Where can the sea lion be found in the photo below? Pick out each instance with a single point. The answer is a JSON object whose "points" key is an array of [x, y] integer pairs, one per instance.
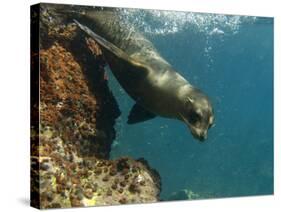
{"points": [[148, 78]]}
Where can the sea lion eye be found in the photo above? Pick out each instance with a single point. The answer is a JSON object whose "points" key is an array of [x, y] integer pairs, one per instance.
{"points": [[194, 118]]}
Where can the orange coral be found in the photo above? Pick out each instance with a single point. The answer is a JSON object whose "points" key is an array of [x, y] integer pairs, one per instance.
{"points": [[64, 92]]}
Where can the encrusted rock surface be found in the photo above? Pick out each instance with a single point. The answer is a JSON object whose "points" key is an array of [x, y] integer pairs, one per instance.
{"points": [[68, 179], [70, 146]]}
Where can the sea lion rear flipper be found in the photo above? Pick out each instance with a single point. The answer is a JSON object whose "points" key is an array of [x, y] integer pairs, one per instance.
{"points": [[139, 114], [113, 49], [104, 43]]}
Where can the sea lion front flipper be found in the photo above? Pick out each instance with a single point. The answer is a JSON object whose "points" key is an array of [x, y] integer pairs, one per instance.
{"points": [[139, 114]]}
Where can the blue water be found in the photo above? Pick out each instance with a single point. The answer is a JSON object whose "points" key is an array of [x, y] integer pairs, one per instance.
{"points": [[230, 58]]}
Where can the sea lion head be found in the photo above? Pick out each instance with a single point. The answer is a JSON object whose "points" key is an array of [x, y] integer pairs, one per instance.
{"points": [[197, 113]]}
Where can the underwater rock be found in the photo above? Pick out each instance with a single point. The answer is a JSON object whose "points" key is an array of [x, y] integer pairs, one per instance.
{"points": [[70, 146], [81, 186]]}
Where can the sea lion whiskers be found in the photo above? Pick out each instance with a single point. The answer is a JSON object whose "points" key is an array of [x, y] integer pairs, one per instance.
{"points": [[184, 119], [200, 134], [194, 132]]}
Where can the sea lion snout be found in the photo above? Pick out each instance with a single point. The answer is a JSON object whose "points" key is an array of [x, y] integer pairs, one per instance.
{"points": [[197, 113], [199, 134]]}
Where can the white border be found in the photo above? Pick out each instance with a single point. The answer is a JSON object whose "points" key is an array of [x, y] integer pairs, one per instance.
{"points": [[14, 113]]}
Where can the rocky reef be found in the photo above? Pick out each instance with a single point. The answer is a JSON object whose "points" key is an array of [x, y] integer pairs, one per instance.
{"points": [[73, 114]]}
